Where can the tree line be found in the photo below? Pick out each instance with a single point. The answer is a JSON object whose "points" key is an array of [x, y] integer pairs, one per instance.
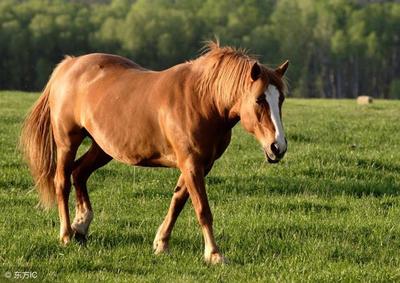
{"points": [[337, 48]]}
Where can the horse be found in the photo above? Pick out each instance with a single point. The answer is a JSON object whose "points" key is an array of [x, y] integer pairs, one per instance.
{"points": [[181, 117]]}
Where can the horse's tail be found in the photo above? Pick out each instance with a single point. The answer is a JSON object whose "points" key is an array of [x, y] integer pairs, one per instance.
{"points": [[38, 146]]}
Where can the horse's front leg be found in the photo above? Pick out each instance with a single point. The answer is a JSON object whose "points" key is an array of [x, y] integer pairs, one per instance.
{"points": [[178, 201], [193, 174]]}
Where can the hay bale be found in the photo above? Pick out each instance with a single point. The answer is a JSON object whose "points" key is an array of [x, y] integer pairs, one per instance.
{"points": [[364, 99]]}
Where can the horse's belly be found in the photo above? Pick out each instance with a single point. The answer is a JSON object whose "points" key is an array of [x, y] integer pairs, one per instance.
{"points": [[163, 161], [155, 160], [129, 135], [142, 151]]}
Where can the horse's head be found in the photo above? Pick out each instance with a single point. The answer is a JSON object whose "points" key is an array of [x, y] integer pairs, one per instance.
{"points": [[260, 110]]}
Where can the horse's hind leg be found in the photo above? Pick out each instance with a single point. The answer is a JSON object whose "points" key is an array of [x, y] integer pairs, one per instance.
{"points": [[93, 159], [66, 151], [178, 201]]}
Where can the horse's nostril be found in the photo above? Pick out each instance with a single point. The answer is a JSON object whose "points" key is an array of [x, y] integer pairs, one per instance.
{"points": [[275, 148]]}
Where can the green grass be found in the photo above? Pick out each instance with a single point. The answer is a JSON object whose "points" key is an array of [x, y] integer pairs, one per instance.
{"points": [[328, 212]]}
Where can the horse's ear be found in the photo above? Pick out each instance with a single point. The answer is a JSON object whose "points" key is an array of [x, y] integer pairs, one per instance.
{"points": [[281, 70], [255, 71]]}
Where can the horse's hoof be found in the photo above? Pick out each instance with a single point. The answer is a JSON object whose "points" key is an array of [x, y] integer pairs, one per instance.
{"points": [[80, 238], [215, 258], [160, 247], [65, 239], [80, 227]]}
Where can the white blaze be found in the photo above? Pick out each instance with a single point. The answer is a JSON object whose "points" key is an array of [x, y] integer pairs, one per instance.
{"points": [[272, 96]]}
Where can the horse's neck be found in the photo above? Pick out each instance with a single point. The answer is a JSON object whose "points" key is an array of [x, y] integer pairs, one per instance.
{"points": [[212, 105]]}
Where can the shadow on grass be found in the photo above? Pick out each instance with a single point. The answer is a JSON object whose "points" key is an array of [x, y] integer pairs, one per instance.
{"points": [[294, 239], [111, 240], [306, 207], [259, 184], [223, 187], [377, 165]]}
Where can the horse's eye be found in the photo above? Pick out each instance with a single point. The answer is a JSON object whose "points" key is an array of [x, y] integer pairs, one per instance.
{"points": [[261, 99]]}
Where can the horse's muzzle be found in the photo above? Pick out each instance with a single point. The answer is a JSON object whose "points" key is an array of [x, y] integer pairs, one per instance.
{"points": [[273, 154], [272, 161]]}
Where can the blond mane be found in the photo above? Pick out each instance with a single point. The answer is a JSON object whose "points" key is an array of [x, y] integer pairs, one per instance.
{"points": [[224, 73]]}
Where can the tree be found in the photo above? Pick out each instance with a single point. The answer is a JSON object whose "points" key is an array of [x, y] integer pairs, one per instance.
{"points": [[337, 48]]}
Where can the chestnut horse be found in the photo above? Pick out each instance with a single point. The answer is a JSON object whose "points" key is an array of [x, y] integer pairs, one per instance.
{"points": [[180, 117]]}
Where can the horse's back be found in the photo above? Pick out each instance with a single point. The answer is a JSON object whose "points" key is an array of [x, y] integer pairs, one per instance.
{"points": [[79, 79], [103, 60], [79, 71]]}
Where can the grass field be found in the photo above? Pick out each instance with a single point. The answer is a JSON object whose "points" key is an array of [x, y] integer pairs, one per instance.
{"points": [[329, 211]]}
